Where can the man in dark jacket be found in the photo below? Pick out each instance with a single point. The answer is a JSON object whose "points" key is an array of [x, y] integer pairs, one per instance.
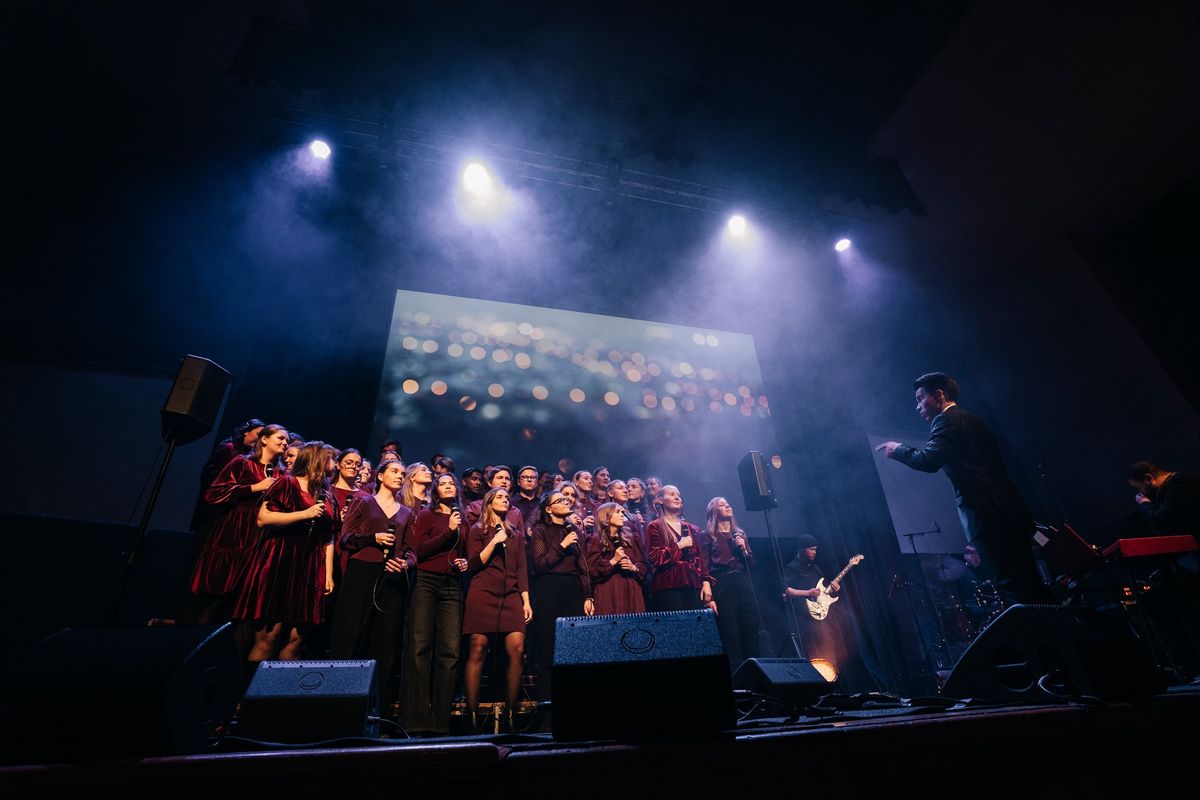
{"points": [[1168, 501], [993, 512]]}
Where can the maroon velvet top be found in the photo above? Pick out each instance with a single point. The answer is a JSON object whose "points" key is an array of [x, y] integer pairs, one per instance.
{"points": [[725, 557], [675, 568], [550, 558], [365, 519], [437, 546]]}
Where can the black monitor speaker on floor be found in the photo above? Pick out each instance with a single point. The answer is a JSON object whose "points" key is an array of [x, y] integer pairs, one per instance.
{"points": [[1047, 653], [640, 676], [105, 693], [755, 477], [791, 683], [303, 702]]}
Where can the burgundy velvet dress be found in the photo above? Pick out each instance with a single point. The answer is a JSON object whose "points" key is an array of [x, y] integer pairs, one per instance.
{"points": [[286, 578], [614, 590], [494, 597], [226, 553]]}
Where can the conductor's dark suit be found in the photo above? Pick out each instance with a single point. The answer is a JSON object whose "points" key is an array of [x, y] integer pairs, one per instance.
{"points": [[993, 512]]}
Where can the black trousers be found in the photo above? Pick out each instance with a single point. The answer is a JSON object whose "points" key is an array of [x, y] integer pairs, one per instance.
{"points": [[431, 652], [685, 598], [367, 619], [557, 596], [737, 616], [1009, 552]]}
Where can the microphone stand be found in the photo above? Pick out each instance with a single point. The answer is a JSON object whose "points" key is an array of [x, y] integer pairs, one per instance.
{"points": [[912, 545], [793, 622]]}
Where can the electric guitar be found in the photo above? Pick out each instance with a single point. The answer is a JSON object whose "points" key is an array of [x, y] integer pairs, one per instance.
{"points": [[818, 607]]}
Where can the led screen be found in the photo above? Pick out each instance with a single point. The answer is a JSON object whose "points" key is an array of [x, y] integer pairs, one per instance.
{"points": [[488, 382]]}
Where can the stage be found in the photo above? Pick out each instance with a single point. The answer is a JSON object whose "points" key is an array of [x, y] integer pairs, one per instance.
{"points": [[926, 751]]}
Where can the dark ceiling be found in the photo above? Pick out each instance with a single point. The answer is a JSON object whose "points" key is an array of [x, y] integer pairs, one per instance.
{"points": [[757, 96]]}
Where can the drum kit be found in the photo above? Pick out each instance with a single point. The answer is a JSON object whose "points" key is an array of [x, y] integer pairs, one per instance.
{"points": [[952, 604]]}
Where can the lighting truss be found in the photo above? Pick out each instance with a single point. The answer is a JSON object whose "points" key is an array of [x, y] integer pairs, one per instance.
{"points": [[387, 143]]}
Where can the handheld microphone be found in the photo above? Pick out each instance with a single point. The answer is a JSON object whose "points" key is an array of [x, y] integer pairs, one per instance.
{"points": [[387, 548], [270, 470], [500, 529]]}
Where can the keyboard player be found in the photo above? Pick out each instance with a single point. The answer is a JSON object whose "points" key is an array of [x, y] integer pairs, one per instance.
{"points": [[1168, 501]]}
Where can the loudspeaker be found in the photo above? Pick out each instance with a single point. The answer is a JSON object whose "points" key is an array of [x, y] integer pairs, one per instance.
{"points": [[194, 400], [118, 693], [639, 676], [792, 681], [756, 483], [301, 702], [1050, 652]]}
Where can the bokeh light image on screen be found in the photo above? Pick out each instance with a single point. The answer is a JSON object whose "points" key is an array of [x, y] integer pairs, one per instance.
{"points": [[487, 382]]}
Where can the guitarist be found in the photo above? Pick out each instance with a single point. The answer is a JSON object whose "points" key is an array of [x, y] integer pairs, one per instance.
{"points": [[819, 639]]}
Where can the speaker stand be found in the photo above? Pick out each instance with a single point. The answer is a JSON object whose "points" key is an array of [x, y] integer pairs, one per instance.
{"points": [[139, 540], [793, 623]]}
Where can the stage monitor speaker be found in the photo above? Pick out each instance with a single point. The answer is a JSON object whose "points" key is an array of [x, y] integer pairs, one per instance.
{"points": [[1054, 653], [756, 482], [194, 401], [640, 676], [301, 702], [793, 682], [107, 693]]}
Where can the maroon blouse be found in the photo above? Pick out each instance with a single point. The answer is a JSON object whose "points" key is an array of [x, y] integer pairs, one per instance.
{"points": [[675, 568], [365, 519], [725, 557], [435, 545], [550, 558], [513, 517]]}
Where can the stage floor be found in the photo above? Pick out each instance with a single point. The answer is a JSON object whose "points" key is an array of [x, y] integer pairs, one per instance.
{"points": [[1059, 750]]}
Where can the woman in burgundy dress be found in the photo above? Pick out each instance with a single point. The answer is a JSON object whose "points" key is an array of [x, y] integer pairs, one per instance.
{"points": [[677, 552], [235, 494], [292, 568], [371, 600], [618, 564], [498, 598], [434, 637]]}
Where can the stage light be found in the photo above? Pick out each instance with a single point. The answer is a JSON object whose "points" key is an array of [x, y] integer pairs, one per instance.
{"points": [[476, 179], [737, 225], [319, 149], [842, 245], [828, 671]]}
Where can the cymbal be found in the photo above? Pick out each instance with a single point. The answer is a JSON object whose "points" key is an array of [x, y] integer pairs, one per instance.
{"points": [[944, 567]]}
